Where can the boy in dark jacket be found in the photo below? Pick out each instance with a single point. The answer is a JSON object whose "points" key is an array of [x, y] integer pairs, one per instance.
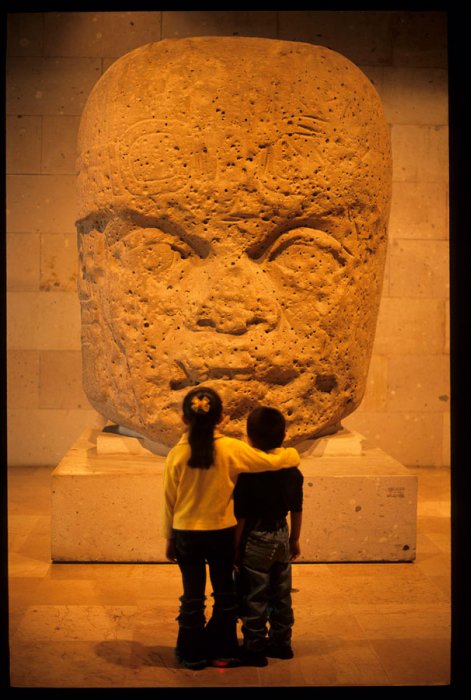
{"points": [[265, 546]]}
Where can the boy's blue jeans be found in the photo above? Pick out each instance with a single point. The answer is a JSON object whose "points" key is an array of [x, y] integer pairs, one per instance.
{"points": [[266, 589]]}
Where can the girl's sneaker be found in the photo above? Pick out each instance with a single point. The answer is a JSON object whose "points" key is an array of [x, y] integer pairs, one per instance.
{"points": [[192, 664], [230, 662]]}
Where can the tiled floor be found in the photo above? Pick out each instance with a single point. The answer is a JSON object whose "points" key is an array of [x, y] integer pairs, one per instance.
{"points": [[113, 625]]}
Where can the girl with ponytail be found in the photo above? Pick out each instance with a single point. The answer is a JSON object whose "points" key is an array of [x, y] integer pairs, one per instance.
{"points": [[203, 411], [199, 523]]}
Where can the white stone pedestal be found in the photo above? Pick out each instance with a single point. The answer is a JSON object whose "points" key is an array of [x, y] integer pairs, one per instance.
{"points": [[359, 503]]}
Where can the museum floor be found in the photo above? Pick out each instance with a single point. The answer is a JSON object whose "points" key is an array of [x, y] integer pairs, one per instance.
{"points": [[113, 625]]}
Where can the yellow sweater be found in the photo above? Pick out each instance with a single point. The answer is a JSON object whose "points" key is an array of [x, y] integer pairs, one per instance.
{"points": [[201, 499]]}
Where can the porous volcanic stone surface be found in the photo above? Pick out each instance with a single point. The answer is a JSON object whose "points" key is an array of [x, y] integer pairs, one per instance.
{"points": [[234, 196]]}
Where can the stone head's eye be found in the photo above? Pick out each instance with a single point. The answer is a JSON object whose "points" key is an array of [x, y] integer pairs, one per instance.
{"points": [[289, 247], [158, 256], [149, 250], [295, 255], [308, 249]]}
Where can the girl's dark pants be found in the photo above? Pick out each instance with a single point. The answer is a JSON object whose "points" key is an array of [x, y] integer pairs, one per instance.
{"points": [[218, 638]]}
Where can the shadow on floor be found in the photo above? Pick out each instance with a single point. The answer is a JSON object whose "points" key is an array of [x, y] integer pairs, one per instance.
{"points": [[131, 654]]}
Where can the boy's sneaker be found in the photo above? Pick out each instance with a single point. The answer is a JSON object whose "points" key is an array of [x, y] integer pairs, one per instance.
{"points": [[250, 658], [279, 651]]}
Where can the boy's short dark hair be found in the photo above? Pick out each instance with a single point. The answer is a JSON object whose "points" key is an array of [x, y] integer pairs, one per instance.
{"points": [[266, 428]]}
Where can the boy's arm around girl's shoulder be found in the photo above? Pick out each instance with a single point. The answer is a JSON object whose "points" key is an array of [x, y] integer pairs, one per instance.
{"points": [[251, 459]]}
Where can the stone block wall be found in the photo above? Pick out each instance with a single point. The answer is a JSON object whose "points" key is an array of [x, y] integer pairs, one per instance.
{"points": [[53, 61]]}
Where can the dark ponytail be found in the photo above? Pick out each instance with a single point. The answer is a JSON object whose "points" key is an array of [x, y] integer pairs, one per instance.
{"points": [[202, 409]]}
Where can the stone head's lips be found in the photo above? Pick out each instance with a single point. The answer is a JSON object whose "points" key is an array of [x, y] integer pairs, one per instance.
{"points": [[187, 376]]}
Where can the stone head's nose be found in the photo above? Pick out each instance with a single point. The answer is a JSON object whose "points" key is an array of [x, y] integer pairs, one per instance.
{"points": [[237, 299]]}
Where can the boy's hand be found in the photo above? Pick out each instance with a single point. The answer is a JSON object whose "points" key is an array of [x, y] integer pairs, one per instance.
{"points": [[294, 550], [237, 559], [170, 553]]}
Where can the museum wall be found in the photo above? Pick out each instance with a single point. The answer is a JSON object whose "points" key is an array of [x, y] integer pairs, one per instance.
{"points": [[53, 61]]}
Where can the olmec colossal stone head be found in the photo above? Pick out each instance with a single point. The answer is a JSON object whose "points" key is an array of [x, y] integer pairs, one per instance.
{"points": [[234, 197]]}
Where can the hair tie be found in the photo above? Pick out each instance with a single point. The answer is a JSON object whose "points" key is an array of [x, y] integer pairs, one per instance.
{"points": [[201, 405]]}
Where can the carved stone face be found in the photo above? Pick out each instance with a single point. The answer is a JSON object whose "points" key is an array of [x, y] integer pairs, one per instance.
{"points": [[234, 196]]}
